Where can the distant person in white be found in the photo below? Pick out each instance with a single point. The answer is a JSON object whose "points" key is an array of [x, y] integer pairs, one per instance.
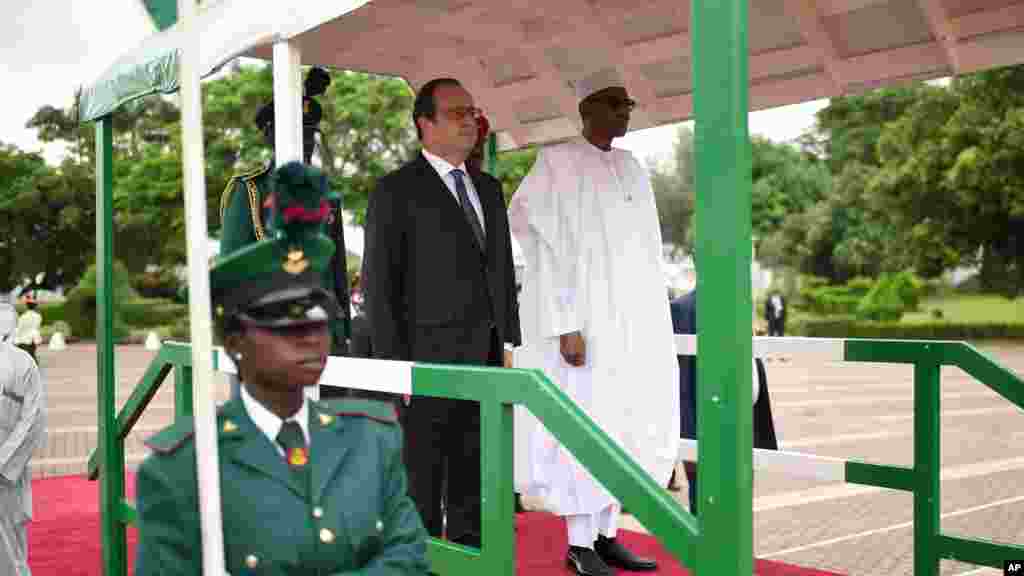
{"points": [[22, 430], [28, 334], [594, 318]]}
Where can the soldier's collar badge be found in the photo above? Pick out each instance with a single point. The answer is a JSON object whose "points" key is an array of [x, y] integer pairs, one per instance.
{"points": [[295, 262]]}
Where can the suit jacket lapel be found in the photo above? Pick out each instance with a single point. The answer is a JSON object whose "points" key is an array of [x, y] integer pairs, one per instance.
{"points": [[327, 445], [252, 449], [428, 172]]}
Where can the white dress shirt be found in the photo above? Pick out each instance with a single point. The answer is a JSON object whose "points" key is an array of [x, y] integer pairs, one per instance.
{"points": [[444, 170], [269, 423]]}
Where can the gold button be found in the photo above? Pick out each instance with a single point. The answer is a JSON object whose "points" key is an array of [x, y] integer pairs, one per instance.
{"points": [[326, 419], [252, 561], [380, 526], [318, 512], [326, 536]]}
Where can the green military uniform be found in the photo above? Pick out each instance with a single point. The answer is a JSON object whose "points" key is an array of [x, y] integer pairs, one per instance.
{"points": [[356, 520], [332, 501], [244, 216]]}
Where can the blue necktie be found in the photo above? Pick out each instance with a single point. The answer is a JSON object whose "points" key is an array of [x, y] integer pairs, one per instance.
{"points": [[467, 207]]}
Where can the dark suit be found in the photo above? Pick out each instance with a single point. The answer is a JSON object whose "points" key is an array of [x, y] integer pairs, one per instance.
{"points": [[684, 321], [433, 296]]}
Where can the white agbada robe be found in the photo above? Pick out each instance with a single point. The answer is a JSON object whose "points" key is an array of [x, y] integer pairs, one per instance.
{"points": [[588, 226]]}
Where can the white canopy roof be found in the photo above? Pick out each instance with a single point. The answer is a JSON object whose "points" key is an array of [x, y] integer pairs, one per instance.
{"points": [[519, 58]]}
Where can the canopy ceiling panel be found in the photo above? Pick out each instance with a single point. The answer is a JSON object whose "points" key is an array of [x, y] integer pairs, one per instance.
{"points": [[520, 58]]}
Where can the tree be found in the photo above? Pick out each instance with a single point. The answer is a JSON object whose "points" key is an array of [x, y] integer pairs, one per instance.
{"points": [[366, 131], [674, 194], [47, 216], [952, 178], [785, 181]]}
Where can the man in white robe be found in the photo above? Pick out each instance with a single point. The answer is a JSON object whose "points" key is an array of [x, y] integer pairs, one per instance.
{"points": [[595, 318], [22, 430]]}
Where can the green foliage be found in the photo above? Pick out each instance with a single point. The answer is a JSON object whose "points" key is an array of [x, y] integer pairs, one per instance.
{"points": [[513, 166], [47, 215], [80, 308], [152, 312], [674, 194], [820, 298], [891, 297], [159, 283], [932, 330]]}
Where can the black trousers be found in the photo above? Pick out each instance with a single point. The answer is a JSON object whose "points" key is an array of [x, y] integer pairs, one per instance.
{"points": [[442, 459]]}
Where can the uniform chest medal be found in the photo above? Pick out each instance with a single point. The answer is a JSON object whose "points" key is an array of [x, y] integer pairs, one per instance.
{"points": [[298, 456]]}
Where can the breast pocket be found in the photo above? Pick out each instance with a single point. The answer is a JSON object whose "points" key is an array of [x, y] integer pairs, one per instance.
{"points": [[10, 411]]}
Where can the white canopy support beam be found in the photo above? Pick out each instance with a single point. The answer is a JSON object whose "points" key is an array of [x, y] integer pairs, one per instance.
{"points": [[287, 102], [207, 457], [288, 116], [795, 464], [813, 349], [815, 34], [942, 29]]}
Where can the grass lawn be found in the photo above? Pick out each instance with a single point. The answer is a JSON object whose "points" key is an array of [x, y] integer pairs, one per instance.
{"points": [[970, 308]]}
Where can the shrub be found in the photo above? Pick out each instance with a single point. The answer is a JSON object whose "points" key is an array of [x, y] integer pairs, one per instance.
{"points": [[934, 330], [152, 312], [162, 283], [828, 300], [80, 307], [883, 303]]}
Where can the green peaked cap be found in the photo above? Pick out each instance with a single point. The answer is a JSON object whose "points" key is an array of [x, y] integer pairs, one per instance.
{"points": [[295, 252]]}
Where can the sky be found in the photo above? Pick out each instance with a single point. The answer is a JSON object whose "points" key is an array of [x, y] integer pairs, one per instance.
{"points": [[48, 49]]}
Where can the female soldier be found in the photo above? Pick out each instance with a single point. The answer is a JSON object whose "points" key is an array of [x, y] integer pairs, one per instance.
{"points": [[307, 487]]}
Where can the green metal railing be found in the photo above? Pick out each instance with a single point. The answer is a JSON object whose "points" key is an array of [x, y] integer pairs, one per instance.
{"points": [[930, 545], [653, 506]]}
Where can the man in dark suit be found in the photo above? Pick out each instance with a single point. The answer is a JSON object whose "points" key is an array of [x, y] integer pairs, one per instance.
{"points": [[440, 287], [684, 321]]}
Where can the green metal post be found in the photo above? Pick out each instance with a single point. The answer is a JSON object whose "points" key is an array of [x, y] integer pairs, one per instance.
{"points": [[927, 461], [498, 538], [720, 61], [182, 390], [491, 155], [111, 449]]}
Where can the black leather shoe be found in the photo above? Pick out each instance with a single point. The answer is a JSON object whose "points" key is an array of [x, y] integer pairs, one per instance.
{"points": [[615, 554], [586, 562]]}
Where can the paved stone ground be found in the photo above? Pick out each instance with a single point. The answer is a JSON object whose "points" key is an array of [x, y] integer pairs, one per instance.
{"points": [[853, 411]]}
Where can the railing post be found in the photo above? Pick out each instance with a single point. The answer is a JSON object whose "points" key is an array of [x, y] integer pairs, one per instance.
{"points": [[723, 178], [182, 391], [927, 462], [497, 507], [115, 559]]}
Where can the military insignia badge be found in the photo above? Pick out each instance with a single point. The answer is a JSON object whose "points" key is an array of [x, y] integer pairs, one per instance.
{"points": [[298, 457], [295, 262]]}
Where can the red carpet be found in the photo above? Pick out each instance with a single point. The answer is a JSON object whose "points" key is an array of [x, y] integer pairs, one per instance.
{"points": [[64, 537]]}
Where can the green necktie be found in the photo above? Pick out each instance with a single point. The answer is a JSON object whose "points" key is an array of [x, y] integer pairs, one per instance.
{"points": [[296, 452]]}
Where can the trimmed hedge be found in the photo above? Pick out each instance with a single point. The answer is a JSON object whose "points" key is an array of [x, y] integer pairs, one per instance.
{"points": [[938, 330], [152, 312]]}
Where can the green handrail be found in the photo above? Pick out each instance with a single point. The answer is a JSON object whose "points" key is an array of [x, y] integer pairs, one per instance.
{"points": [[654, 507], [930, 545]]}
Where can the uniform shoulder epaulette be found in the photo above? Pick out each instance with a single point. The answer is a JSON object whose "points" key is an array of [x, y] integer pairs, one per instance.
{"points": [[172, 438], [362, 408], [243, 178]]}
